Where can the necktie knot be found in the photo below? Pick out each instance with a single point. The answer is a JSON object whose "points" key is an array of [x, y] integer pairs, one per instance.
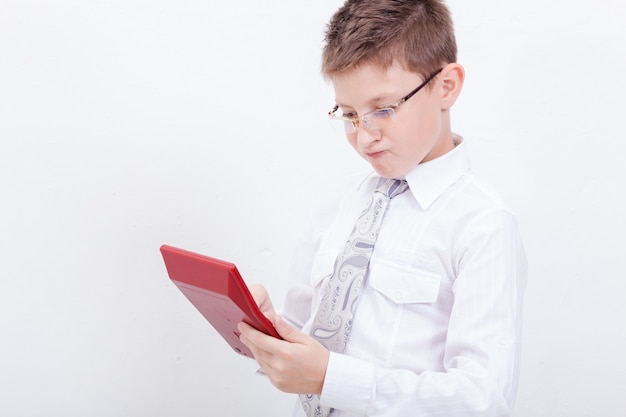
{"points": [[391, 187]]}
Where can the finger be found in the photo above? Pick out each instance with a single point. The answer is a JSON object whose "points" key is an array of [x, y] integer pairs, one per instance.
{"points": [[261, 297], [287, 332], [247, 334], [256, 341], [247, 337]]}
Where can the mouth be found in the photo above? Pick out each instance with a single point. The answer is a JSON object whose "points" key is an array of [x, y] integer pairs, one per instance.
{"points": [[374, 155]]}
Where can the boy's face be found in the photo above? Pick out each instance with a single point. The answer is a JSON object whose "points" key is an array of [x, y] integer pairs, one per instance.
{"points": [[417, 132]]}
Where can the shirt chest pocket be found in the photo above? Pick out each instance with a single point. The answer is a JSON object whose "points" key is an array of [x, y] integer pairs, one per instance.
{"points": [[404, 285]]}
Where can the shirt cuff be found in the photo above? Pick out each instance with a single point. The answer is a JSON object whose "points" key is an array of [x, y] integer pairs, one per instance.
{"points": [[255, 367], [349, 384]]}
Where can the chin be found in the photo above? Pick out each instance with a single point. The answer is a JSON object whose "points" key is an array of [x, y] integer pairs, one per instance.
{"points": [[388, 173], [389, 167]]}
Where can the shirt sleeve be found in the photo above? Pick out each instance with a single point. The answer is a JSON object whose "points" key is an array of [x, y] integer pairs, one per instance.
{"points": [[481, 360]]}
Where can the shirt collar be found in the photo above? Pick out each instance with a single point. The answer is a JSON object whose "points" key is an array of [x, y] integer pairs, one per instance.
{"points": [[428, 180]]}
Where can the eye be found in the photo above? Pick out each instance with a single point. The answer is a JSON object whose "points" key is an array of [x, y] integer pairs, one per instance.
{"points": [[349, 115], [382, 113]]}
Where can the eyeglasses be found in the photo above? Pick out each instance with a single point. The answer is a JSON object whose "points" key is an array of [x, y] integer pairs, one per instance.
{"points": [[379, 118]]}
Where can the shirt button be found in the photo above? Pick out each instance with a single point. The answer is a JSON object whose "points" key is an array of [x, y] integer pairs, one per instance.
{"points": [[397, 295]]}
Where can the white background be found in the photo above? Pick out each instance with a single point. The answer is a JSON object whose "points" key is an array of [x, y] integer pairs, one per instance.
{"points": [[125, 124]]}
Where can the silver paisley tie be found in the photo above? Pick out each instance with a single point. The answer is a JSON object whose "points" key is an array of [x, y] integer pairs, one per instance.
{"points": [[333, 321]]}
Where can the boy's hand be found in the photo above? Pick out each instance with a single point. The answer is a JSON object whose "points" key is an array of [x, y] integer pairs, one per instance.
{"points": [[296, 364], [262, 298]]}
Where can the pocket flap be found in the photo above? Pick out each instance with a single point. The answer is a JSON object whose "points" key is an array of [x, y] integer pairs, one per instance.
{"points": [[404, 285]]}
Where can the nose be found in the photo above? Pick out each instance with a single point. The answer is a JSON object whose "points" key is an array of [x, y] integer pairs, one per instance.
{"points": [[365, 136]]}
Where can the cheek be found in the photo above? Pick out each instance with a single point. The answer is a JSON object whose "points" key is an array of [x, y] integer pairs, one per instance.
{"points": [[412, 135], [352, 140], [416, 139], [424, 128]]}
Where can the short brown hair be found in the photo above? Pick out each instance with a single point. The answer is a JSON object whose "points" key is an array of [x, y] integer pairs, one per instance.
{"points": [[419, 34]]}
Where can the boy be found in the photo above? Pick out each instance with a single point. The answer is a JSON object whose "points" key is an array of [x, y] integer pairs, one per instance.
{"points": [[437, 266]]}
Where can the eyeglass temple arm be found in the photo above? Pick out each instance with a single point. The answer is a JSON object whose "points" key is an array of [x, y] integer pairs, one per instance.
{"points": [[422, 85]]}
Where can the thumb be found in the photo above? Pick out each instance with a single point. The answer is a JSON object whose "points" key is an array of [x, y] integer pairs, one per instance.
{"points": [[287, 332]]}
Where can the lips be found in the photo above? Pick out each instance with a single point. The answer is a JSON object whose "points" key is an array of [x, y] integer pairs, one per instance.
{"points": [[374, 155]]}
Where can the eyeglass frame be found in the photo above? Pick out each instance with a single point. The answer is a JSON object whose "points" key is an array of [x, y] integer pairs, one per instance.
{"points": [[356, 121]]}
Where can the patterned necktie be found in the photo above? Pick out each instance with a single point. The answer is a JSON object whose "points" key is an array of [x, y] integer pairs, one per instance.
{"points": [[333, 321]]}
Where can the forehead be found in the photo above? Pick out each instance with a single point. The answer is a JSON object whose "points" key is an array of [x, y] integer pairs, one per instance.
{"points": [[370, 84]]}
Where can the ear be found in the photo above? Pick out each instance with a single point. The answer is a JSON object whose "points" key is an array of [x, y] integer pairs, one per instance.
{"points": [[452, 77]]}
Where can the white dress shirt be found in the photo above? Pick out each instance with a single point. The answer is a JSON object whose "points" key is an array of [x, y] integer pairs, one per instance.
{"points": [[437, 326]]}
